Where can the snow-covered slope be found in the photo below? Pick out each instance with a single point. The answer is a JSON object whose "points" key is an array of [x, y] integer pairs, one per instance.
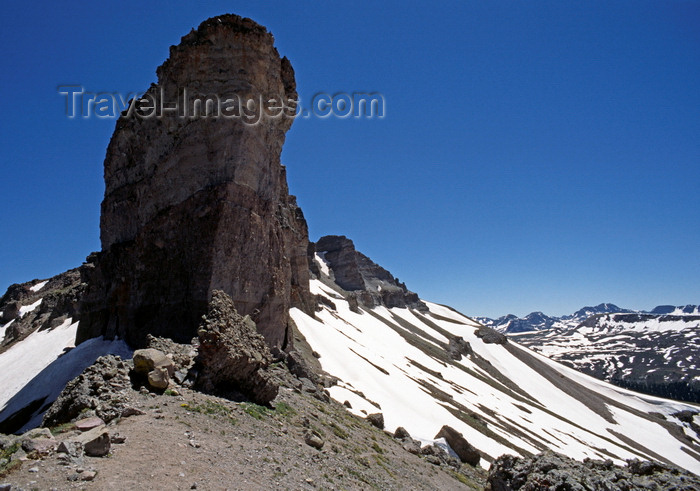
{"points": [[503, 397], [39, 356]]}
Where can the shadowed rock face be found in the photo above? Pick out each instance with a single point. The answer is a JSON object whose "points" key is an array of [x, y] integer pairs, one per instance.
{"points": [[197, 204]]}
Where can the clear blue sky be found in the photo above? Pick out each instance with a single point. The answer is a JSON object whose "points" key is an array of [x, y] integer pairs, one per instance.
{"points": [[534, 155]]}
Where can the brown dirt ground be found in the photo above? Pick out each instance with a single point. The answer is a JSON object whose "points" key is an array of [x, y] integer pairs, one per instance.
{"points": [[198, 441]]}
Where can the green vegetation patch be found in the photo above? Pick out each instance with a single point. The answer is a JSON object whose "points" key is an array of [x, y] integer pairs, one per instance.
{"points": [[255, 410]]}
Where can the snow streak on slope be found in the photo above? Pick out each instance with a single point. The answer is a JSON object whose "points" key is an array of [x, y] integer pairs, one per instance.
{"points": [[36, 369], [503, 398]]}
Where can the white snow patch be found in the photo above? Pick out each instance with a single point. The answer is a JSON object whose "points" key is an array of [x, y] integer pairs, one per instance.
{"points": [[39, 286], [3, 330], [25, 309], [322, 263]]}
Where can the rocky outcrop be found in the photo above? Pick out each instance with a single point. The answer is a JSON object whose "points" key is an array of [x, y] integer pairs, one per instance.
{"points": [[458, 347], [233, 357], [103, 387], [550, 470], [366, 282], [464, 450], [194, 204], [41, 304], [490, 336]]}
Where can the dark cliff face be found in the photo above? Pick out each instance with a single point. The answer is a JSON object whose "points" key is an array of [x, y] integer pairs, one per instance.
{"points": [[364, 280], [195, 204]]}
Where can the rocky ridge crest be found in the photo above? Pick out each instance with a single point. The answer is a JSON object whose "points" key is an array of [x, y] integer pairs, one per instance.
{"points": [[365, 282]]}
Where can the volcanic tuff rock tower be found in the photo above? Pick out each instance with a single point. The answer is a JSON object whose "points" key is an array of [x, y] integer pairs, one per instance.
{"points": [[195, 204]]}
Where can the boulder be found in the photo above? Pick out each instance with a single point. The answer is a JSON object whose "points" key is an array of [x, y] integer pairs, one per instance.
{"points": [[158, 378], [464, 450], [94, 442], [313, 439], [298, 366], [72, 448], [146, 360], [181, 354], [411, 446], [131, 411], [233, 357], [376, 419], [7, 441], [42, 446], [401, 433]]}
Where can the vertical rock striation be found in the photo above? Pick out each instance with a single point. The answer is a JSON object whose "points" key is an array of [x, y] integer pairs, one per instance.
{"points": [[194, 204]]}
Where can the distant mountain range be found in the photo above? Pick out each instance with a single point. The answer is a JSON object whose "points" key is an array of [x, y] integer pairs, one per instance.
{"points": [[655, 352]]}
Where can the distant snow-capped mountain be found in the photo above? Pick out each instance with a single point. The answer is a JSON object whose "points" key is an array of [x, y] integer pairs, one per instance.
{"points": [[537, 321], [653, 352]]}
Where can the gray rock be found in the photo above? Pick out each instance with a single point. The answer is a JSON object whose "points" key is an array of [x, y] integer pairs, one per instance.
{"points": [[298, 366], [88, 476], [158, 378], [42, 446], [117, 439], [102, 387], [490, 336], [433, 459], [308, 386], [560, 472], [182, 354], [131, 411], [411, 446], [401, 433], [146, 360], [466, 452], [180, 376], [458, 347], [6, 441], [95, 442], [71, 448], [38, 433], [232, 353], [432, 452], [376, 419], [313, 439]]}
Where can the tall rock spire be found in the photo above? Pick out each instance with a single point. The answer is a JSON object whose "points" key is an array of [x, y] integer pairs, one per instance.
{"points": [[194, 204]]}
